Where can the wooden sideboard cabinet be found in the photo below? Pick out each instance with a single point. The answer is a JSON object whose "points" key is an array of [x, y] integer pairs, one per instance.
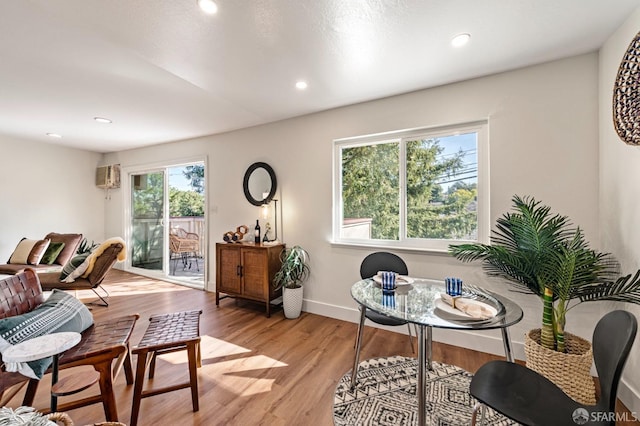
{"points": [[246, 270]]}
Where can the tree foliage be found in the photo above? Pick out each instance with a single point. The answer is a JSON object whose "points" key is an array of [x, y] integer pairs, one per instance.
{"points": [[195, 173], [147, 200], [185, 203], [371, 189]]}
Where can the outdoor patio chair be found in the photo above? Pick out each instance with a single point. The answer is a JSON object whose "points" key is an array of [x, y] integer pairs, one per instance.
{"points": [[183, 245]]}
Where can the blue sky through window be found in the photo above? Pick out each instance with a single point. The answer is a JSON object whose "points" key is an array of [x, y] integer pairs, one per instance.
{"points": [[466, 143]]}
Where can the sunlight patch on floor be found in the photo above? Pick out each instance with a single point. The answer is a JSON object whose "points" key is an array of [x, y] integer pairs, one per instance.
{"points": [[218, 348], [244, 376], [139, 287]]}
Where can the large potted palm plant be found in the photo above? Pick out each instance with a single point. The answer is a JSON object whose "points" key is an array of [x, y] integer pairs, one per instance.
{"points": [[292, 274], [543, 253]]}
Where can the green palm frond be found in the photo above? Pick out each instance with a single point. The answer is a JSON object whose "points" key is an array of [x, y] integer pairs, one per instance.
{"points": [[544, 253], [624, 289], [532, 228], [499, 261]]}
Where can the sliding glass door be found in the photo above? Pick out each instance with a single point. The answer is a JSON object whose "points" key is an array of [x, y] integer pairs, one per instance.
{"points": [[167, 229]]}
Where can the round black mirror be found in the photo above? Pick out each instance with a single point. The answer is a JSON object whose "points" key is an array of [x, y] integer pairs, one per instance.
{"points": [[259, 184]]}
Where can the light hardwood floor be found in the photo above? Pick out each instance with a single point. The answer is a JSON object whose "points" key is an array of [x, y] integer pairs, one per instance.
{"points": [[255, 370]]}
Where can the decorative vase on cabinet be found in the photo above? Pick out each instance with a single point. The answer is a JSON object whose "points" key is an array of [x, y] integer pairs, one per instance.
{"points": [[246, 271]]}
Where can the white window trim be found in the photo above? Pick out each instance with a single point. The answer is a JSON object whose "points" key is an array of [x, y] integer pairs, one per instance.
{"points": [[481, 127]]}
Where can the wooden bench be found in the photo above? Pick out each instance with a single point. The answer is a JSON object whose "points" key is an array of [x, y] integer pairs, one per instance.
{"points": [[166, 333], [104, 346]]}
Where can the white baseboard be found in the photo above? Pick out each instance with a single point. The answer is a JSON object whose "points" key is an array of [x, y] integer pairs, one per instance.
{"points": [[488, 342], [629, 397]]}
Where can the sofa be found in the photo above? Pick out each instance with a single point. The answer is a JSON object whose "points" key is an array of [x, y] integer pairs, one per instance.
{"points": [[47, 255]]}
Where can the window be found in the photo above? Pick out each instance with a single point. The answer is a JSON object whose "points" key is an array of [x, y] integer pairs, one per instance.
{"points": [[421, 188]]}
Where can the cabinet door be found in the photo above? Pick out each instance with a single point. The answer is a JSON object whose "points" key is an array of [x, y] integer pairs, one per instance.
{"points": [[229, 270], [255, 273]]}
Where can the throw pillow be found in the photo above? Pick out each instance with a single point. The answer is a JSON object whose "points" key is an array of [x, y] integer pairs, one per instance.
{"points": [[73, 264], [51, 254], [29, 252], [71, 242], [37, 252], [60, 312]]}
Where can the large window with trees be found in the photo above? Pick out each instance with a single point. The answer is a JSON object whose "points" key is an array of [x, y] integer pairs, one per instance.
{"points": [[420, 188]]}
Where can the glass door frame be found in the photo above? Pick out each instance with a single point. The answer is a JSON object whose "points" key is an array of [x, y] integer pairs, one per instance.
{"points": [[164, 166], [162, 223]]}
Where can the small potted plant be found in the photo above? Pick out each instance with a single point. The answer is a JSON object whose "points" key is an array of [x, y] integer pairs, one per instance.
{"points": [[543, 253], [292, 274]]}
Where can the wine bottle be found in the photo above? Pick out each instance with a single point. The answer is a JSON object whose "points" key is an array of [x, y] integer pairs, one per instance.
{"points": [[257, 232]]}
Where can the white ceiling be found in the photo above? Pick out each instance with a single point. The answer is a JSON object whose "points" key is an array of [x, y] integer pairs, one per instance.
{"points": [[162, 70]]}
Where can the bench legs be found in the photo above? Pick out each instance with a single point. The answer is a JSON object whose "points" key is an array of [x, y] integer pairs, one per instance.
{"points": [[193, 353], [147, 359]]}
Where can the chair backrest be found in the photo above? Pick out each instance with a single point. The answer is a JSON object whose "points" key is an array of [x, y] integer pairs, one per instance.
{"points": [[612, 341], [104, 262], [178, 232], [20, 293], [382, 261]]}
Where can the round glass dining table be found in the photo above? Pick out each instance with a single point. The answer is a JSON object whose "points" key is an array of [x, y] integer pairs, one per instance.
{"points": [[419, 302]]}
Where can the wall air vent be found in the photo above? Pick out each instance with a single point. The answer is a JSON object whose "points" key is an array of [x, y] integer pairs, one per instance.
{"points": [[108, 177]]}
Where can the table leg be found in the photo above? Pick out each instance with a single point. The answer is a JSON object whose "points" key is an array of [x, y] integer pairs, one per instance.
{"points": [[420, 391], [506, 341], [429, 347], [354, 371], [54, 380]]}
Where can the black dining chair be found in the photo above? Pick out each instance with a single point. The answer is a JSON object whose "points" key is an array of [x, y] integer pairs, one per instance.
{"points": [[531, 399], [374, 262]]}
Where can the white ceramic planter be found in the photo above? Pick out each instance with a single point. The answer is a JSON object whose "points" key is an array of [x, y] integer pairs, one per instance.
{"points": [[292, 302]]}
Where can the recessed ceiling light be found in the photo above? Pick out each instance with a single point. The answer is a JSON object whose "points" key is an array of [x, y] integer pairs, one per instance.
{"points": [[102, 120], [460, 40], [208, 6], [54, 135], [301, 85]]}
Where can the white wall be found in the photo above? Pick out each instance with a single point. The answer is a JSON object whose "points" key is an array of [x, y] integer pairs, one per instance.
{"points": [[619, 192], [47, 188], [543, 142]]}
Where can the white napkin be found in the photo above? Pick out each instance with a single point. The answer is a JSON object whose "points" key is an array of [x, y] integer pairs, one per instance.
{"points": [[474, 310]]}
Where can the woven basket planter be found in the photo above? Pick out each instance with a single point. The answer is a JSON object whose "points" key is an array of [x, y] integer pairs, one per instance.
{"points": [[570, 371]]}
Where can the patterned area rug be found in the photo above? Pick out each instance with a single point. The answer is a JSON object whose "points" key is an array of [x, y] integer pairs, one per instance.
{"points": [[385, 394]]}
